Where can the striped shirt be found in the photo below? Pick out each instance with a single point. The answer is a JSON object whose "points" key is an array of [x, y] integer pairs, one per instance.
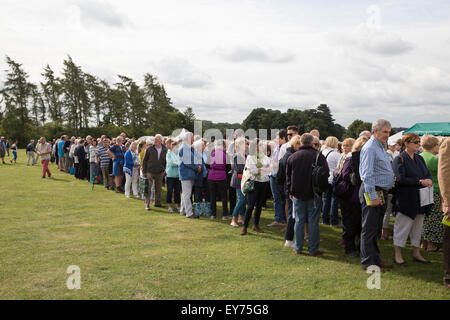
{"points": [[375, 167], [103, 157]]}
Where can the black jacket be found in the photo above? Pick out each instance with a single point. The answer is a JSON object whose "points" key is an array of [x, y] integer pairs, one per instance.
{"points": [[408, 173], [281, 174], [151, 163], [299, 172]]}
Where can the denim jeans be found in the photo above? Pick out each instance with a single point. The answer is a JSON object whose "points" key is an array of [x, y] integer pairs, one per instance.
{"points": [[239, 209], [278, 200], [302, 209], [330, 206]]}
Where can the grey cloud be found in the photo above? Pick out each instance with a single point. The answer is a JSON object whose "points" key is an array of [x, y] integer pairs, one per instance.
{"points": [[387, 45], [181, 72], [254, 53], [96, 11]]}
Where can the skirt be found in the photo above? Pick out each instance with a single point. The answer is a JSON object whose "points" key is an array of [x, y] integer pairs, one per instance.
{"points": [[433, 229]]}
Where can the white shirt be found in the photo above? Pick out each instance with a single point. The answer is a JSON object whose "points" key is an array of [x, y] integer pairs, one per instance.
{"points": [[332, 160], [283, 150], [266, 169]]}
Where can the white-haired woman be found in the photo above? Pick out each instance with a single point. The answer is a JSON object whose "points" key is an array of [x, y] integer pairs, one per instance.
{"points": [[131, 170], [190, 165], [201, 183]]}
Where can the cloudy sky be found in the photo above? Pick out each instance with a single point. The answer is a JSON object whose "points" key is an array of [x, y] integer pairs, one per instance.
{"points": [[365, 59]]}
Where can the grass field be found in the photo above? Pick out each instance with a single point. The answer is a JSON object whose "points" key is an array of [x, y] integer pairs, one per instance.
{"points": [[125, 252]]}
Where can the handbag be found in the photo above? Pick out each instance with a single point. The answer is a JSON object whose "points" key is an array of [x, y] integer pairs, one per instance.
{"points": [[245, 185], [341, 188], [249, 186]]}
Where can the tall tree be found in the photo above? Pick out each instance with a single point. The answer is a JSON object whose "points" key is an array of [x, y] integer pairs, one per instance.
{"points": [[16, 93], [51, 94]]}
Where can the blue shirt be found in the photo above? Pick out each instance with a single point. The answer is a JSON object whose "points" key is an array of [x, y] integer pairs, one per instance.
{"points": [[375, 167], [60, 148]]}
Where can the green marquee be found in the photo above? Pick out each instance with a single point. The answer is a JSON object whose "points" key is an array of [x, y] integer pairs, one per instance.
{"points": [[433, 128]]}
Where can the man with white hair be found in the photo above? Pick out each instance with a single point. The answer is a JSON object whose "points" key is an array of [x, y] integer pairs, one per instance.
{"points": [[154, 165], [190, 166], [377, 179]]}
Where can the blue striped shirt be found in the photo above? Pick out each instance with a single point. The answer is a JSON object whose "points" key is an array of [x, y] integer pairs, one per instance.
{"points": [[103, 157], [375, 167]]}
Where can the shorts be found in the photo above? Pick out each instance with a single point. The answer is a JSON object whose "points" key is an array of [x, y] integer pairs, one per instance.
{"points": [[117, 169]]}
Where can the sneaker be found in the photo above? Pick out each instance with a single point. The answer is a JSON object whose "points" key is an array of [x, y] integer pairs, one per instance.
{"points": [[147, 208], [289, 244], [213, 218], [226, 217], [170, 210], [179, 209]]}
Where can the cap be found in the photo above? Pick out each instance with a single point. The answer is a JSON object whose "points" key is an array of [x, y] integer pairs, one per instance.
{"points": [[392, 143]]}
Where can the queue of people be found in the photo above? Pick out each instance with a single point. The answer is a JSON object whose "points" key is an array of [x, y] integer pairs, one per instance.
{"points": [[367, 181]]}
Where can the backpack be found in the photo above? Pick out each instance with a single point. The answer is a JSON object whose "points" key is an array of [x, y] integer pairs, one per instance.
{"points": [[320, 177]]}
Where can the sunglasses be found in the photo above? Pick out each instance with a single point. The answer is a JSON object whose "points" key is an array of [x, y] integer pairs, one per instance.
{"points": [[290, 134], [416, 142]]}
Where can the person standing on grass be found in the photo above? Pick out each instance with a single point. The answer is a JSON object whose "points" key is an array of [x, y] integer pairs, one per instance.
{"points": [[350, 206], [2, 149], [30, 149], [412, 174], [78, 155], [67, 155], [444, 187], [330, 202], [239, 158], [190, 165], [201, 183], [217, 179], [259, 166], [131, 170], [117, 153], [377, 179], [154, 165], [279, 200], [281, 179], [433, 229], [299, 184], [93, 166], [14, 151], [172, 178], [44, 150], [103, 159]]}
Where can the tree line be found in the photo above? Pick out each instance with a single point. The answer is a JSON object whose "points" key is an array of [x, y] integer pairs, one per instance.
{"points": [[79, 103]]}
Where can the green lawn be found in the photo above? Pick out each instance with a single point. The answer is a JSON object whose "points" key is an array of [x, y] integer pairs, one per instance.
{"points": [[125, 252]]}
